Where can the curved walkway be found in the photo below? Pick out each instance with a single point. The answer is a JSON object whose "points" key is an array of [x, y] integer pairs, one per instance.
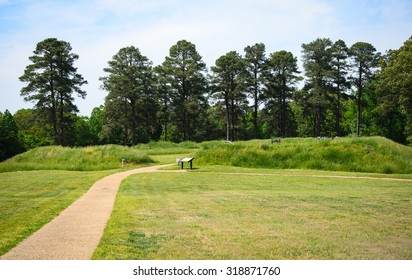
{"points": [[75, 233]]}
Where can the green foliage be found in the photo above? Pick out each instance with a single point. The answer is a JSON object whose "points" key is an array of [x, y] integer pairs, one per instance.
{"points": [[227, 86], [317, 61], [52, 79], [80, 159], [341, 84], [10, 144], [255, 61], [395, 88], [365, 60], [183, 74], [130, 105], [373, 155], [281, 77], [96, 121], [33, 129]]}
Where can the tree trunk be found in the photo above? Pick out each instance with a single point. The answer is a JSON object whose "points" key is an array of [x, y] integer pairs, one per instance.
{"points": [[233, 121], [255, 114], [166, 118], [133, 121], [61, 121], [359, 100], [54, 115], [228, 134], [358, 115], [318, 121], [283, 111], [337, 113]]}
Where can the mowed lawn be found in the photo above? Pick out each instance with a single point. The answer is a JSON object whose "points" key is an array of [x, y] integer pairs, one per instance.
{"points": [[30, 199], [210, 215]]}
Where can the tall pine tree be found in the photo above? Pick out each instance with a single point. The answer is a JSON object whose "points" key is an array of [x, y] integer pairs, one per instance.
{"points": [[255, 59], [340, 68], [317, 57], [52, 79], [228, 86], [184, 73], [365, 60], [130, 101], [281, 77]]}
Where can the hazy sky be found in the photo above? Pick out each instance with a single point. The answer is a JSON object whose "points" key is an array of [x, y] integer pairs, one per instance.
{"points": [[97, 29]]}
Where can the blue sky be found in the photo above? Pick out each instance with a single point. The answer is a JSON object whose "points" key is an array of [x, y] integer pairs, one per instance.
{"points": [[97, 29]]}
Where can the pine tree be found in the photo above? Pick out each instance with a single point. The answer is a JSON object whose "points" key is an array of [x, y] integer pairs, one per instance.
{"points": [[130, 101], [365, 60], [228, 86], [184, 73], [255, 59], [317, 57], [281, 76], [52, 79]]}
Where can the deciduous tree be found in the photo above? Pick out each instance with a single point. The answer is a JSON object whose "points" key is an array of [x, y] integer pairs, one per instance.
{"points": [[9, 136], [395, 84]]}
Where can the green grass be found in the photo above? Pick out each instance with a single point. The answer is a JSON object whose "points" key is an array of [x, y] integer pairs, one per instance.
{"points": [[259, 212], [210, 215], [37, 185], [91, 158], [369, 154], [30, 199], [167, 148]]}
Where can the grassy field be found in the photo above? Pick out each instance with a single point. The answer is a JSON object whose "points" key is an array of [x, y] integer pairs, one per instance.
{"points": [[264, 210], [210, 215], [37, 185], [30, 199]]}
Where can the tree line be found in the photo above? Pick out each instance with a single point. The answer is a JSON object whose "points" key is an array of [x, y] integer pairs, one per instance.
{"points": [[343, 90]]}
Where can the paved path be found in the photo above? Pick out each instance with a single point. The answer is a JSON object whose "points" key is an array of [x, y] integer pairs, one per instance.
{"points": [[76, 232]]}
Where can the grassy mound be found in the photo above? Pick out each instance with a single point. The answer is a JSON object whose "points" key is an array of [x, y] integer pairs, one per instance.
{"points": [[365, 154], [77, 159], [167, 148]]}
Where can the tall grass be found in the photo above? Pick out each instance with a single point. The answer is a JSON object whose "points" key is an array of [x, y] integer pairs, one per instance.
{"points": [[167, 148], [76, 159], [369, 154]]}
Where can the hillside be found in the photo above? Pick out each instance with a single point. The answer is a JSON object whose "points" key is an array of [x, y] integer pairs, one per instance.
{"points": [[365, 154], [79, 159]]}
